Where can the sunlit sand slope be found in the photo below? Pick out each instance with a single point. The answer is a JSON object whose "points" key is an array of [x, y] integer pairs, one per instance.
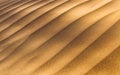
{"points": [[59, 37]]}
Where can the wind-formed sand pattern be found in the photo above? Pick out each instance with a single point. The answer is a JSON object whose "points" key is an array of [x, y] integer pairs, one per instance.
{"points": [[59, 37]]}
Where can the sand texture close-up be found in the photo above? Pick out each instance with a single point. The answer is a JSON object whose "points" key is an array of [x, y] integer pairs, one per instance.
{"points": [[59, 37]]}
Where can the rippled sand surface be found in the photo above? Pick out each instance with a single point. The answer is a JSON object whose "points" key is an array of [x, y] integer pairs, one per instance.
{"points": [[59, 37]]}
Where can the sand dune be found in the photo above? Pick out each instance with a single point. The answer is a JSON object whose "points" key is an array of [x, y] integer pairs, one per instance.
{"points": [[59, 37]]}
